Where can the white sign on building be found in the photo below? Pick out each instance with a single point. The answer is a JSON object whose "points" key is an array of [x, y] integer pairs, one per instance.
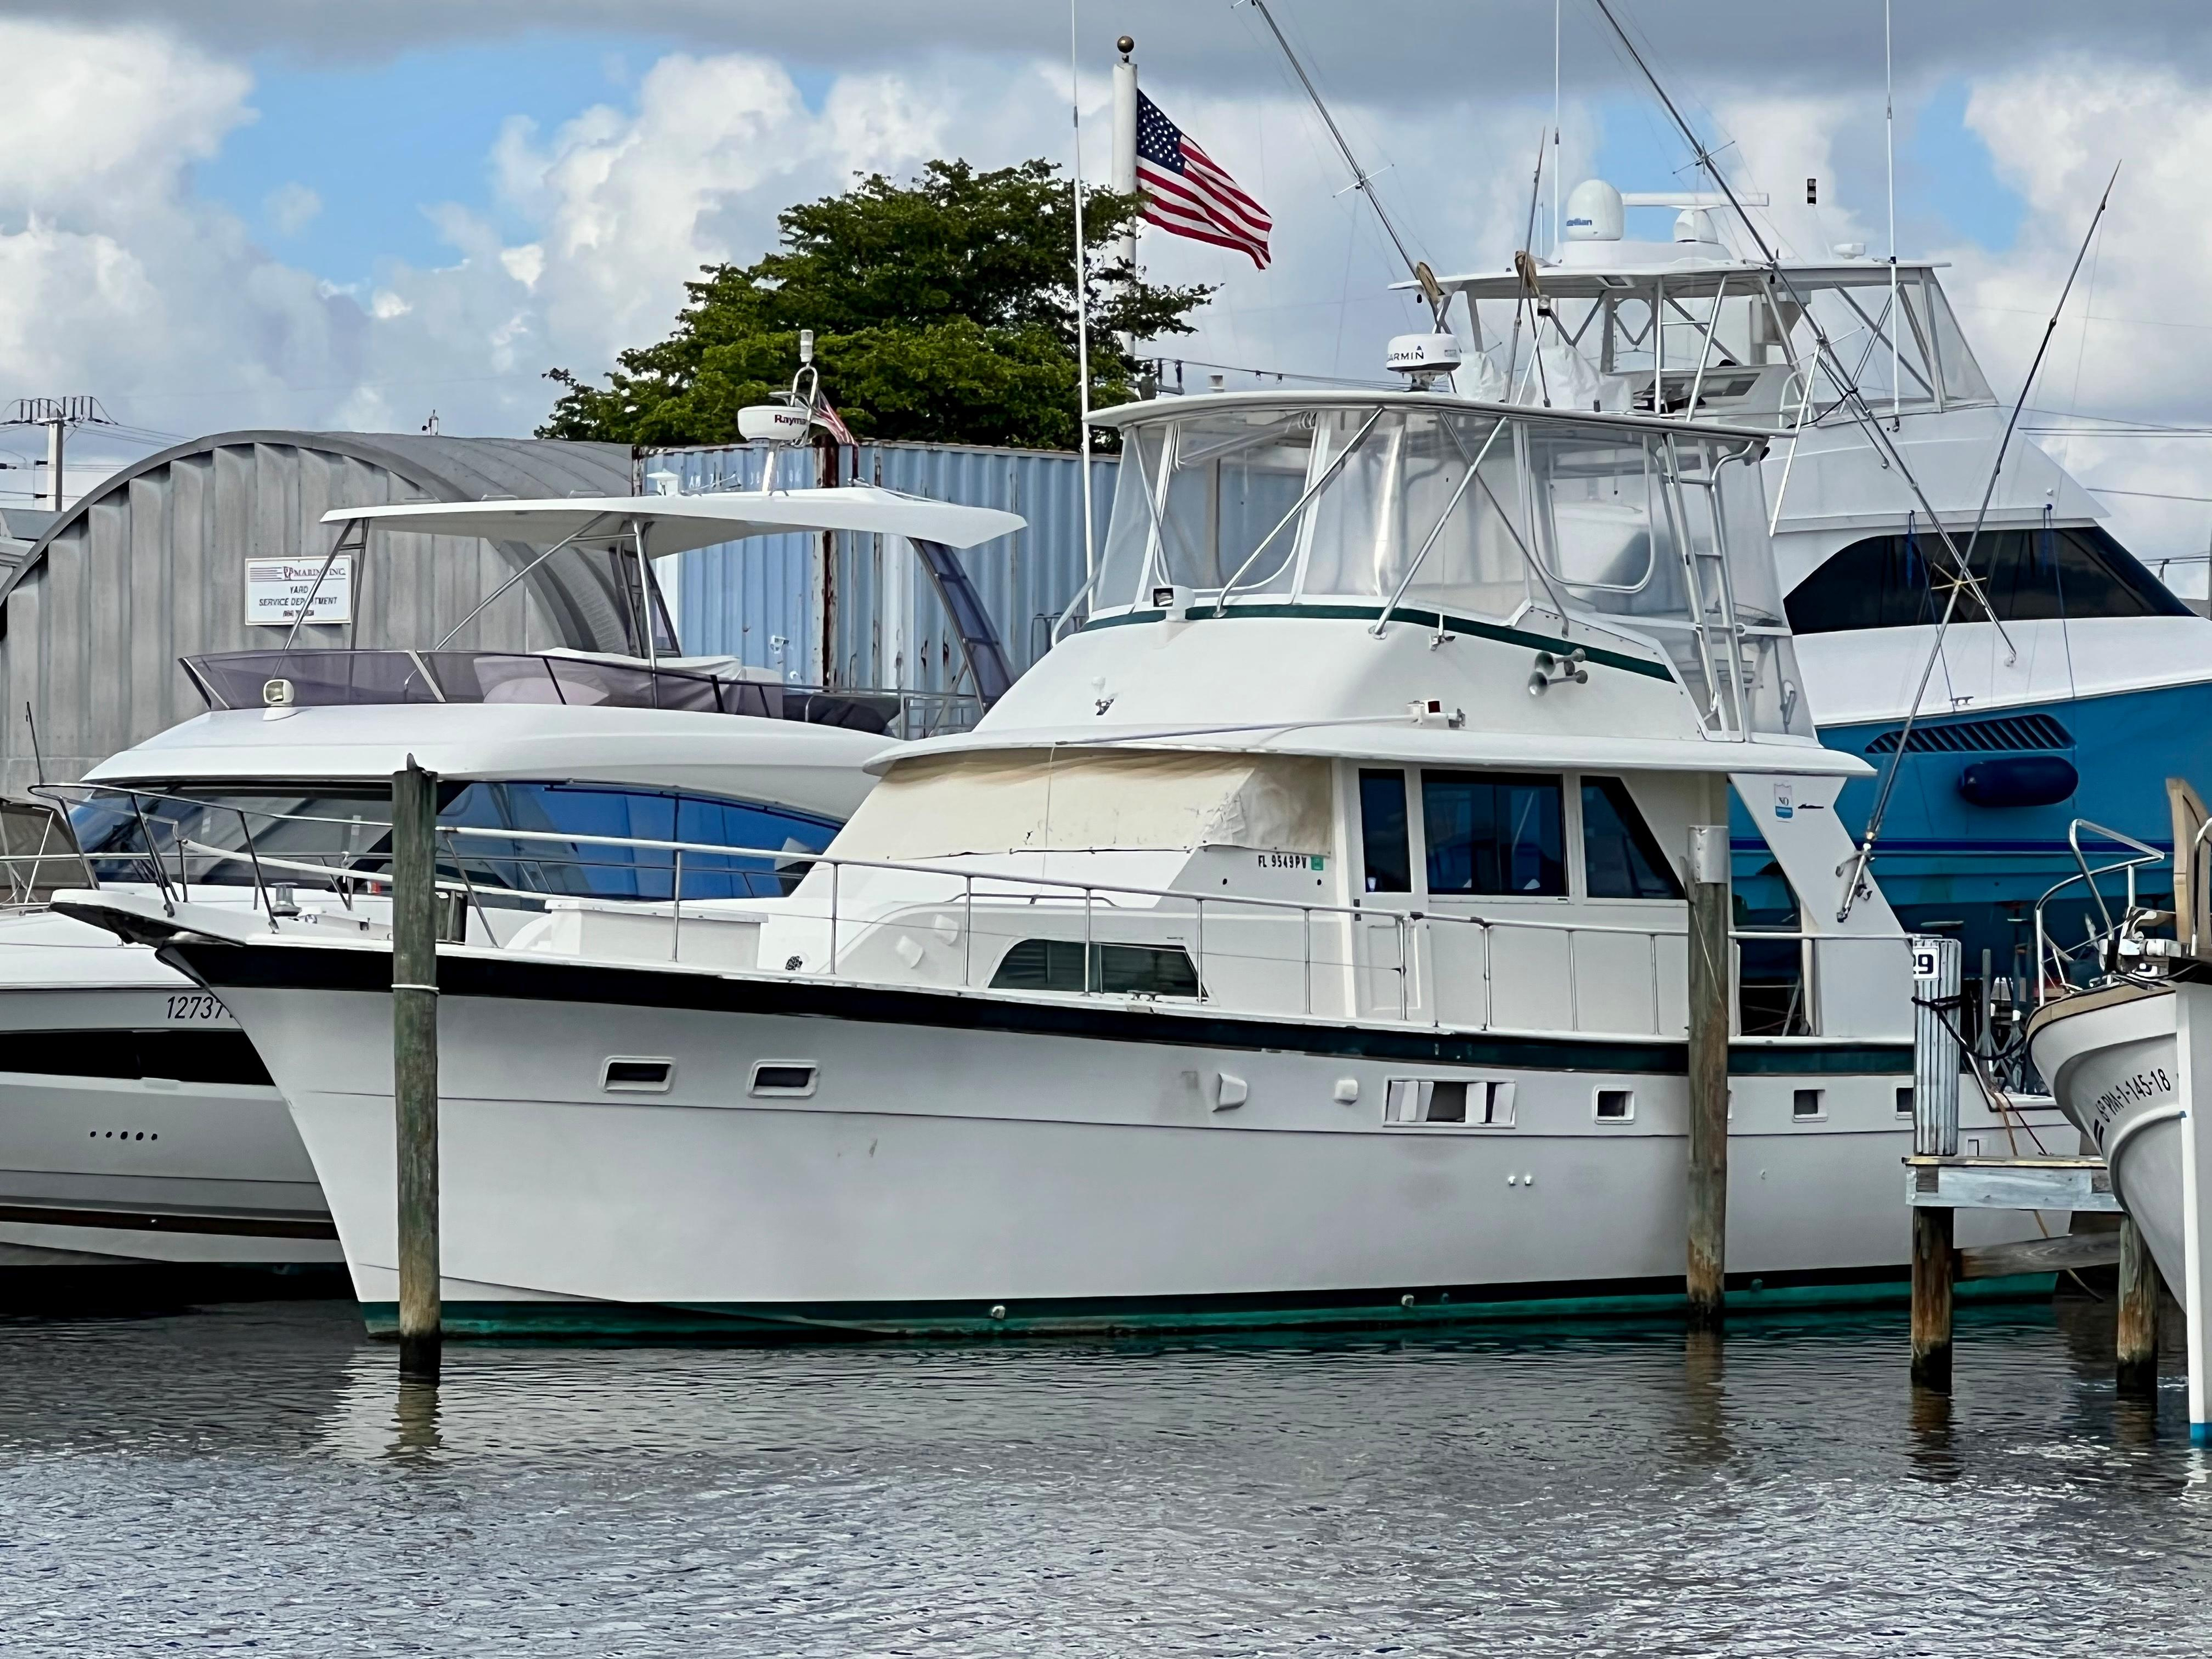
{"points": [[276, 588]]}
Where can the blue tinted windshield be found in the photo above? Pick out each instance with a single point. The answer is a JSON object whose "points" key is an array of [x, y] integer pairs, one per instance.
{"points": [[296, 832]]}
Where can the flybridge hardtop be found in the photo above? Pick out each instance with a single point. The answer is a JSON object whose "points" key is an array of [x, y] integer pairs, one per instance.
{"points": [[1625, 421], [677, 524]]}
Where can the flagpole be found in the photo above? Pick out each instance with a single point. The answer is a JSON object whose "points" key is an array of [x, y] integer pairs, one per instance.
{"points": [[1082, 307]]}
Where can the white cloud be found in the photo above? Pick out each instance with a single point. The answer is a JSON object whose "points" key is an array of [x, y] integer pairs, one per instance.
{"points": [[291, 208], [117, 277]]}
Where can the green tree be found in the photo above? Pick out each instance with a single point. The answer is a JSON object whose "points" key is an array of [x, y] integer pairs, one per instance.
{"points": [[944, 310]]}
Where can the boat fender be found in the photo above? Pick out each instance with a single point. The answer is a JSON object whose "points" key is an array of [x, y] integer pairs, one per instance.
{"points": [[2019, 780]]}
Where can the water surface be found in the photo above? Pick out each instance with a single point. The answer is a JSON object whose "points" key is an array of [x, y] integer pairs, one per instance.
{"points": [[254, 1477]]}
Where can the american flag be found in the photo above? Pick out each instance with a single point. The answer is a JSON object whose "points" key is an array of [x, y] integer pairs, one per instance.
{"points": [[1187, 193]]}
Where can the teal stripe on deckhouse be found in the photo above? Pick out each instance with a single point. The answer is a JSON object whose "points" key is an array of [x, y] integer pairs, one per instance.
{"points": [[1202, 612], [614, 1322]]}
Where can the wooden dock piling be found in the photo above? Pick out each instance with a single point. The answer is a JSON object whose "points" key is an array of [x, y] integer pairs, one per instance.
{"points": [[415, 1062], [2136, 1368], [1936, 1057], [1710, 980], [1933, 1262]]}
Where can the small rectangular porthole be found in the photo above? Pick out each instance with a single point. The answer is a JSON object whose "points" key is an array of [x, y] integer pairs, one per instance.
{"points": [[788, 1079], [1480, 1103], [633, 1074], [1809, 1105], [1905, 1101], [1616, 1105]]}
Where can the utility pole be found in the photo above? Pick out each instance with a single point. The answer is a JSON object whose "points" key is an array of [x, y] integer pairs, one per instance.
{"points": [[58, 416]]}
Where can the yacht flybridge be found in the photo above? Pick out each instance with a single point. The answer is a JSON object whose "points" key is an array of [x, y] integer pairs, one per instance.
{"points": [[2067, 687], [139, 1123], [1303, 940]]}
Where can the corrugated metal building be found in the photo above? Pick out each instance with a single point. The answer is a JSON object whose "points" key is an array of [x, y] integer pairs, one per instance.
{"points": [[150, 566], [857, 611], [20, 528]]}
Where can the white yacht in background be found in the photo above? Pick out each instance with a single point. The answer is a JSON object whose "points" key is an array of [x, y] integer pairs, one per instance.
{"points": [[1301, 941], [138, 1125], [2093, 682]]}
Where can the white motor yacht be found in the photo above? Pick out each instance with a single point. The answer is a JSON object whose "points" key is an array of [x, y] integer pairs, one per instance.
{"points": [[1301, 940], [138, 1124]]}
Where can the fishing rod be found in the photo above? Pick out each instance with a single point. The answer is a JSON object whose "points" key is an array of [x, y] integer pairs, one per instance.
{"points": [[1864, 856]]}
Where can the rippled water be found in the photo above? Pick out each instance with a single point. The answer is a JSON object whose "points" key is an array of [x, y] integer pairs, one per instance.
{"points": [[254, 1476]]}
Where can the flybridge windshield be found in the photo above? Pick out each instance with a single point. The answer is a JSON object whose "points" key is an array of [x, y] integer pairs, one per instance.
{"points": [[1425, 507], [1735, 345]]}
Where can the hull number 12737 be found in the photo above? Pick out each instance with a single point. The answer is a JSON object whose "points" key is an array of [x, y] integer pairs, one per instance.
{"points": [[197, 1006]]}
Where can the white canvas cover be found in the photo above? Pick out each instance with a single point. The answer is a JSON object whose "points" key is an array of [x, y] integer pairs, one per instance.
{"points": [[1045, 800]]}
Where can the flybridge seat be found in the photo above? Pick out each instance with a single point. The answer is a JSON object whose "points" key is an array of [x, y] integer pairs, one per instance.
{"points": [[710, 685]]}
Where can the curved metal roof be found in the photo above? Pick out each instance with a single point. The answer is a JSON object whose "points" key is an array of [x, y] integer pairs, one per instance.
{"points": [[577, 587]]}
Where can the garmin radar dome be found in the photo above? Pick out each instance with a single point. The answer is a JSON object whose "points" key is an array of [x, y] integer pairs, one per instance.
{"points": [[1424, 359]]}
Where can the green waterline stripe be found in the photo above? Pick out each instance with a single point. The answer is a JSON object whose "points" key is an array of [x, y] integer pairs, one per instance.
{"points": [[755, 1323], [1425, 618]]}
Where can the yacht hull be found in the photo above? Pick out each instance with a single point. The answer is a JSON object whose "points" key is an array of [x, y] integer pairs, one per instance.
{"points": [[965, 1161], [2110, 1057], [136, 1127]]}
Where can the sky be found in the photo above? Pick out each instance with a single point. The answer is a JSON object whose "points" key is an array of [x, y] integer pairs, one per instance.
{"points": [[309, 213]]}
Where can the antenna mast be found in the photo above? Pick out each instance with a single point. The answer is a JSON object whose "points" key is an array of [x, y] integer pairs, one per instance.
{"points": [[1362, 180]]}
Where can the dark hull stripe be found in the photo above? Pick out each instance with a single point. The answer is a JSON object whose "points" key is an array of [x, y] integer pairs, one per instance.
{"points": [[169, 1221], [1204, 611], [1366, 1309], [306, 966]]}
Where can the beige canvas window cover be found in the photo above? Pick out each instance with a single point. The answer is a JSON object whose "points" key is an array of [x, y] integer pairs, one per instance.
{"points": [[1037, 800]]}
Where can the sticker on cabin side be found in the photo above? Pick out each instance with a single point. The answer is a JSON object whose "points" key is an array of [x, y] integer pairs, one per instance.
{"points": [[276, 588]]}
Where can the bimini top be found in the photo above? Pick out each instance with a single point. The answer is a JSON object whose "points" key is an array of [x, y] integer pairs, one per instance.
{"points": [[677, 523]]}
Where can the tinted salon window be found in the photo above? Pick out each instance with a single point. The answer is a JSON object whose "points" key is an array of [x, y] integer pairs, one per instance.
{"points": [[1620, 856], [1494, 832], [1382, 832]]}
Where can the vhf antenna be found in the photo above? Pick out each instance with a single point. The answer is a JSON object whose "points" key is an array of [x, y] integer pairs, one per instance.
{"points": [[1362, 180]]}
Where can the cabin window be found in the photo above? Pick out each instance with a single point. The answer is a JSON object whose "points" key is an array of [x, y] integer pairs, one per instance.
{"points": [[1057, 964], [1494, 833], [1616, 1105], [2075, 571], [1389, 861], [1905, 1101], [1620, 856], [1809, 1104]]}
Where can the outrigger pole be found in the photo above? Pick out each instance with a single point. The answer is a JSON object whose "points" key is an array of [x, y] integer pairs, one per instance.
{"points": [[1864, 856], [1853, 398]]}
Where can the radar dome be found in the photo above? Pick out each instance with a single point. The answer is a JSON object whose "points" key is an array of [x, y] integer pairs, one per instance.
{"points": [[1593, 212]]}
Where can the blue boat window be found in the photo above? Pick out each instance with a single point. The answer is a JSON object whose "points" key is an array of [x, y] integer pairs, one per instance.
{"points": [[638, 873], [1621, 856], [1495, 833], [204, 838], [1383, 845]]}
